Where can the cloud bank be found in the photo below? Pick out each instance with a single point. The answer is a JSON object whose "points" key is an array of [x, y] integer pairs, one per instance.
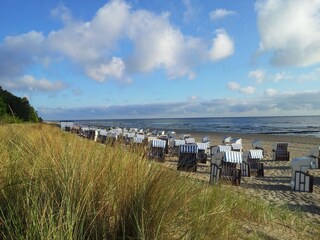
{"points": [[271, 104]]}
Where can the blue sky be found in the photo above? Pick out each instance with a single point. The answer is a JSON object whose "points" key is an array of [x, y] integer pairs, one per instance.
{"points": [[175, 58]]}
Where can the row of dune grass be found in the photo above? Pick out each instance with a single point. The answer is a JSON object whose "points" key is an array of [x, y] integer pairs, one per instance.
{"points": [[56, 185]]}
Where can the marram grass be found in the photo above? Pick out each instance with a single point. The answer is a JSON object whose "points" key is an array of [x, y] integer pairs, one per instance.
{"points": [[55, 185]]}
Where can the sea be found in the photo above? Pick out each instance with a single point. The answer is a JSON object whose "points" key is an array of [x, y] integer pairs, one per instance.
{"points": [[292, 125]]}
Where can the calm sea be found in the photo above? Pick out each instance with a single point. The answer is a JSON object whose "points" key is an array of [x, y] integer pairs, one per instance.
{"points": [[301, 125]]}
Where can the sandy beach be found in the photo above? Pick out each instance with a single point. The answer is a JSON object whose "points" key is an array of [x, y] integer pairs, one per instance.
{"points": [[274, 187]]}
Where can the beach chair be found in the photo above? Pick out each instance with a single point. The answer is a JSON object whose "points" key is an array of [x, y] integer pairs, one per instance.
{"points": [[138, 143], [102, 137], [188, 157], [254, 161], [231, 160], [111, 138], [190, 140], [128, 138], [202, 155], [217, 153], [156, 150], [206, 140], [257, 144], [166, 139], [176, 146], [236, 147], [280, 152], [185, 136], [226, 140], [315, 153], [215, 173], [301, 180]]}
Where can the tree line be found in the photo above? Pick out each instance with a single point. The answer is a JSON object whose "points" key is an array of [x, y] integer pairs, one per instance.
{"points": [[16, 109]]}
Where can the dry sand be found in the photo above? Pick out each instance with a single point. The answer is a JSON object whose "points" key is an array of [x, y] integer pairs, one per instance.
{"points": [[274, 187]]}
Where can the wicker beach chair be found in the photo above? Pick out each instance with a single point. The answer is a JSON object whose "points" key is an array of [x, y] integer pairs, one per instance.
{"points": [[176, 146], [156, 150], [188, 157], [254, 161], [230, 167], [217, 153], [228, 170], [226, 140], [202, 155], [301, 180], [280, 152], [166, 139]]}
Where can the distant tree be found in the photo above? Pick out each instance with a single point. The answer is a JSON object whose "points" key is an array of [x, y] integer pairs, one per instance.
{"points": [[16, 107], [3, 108]]}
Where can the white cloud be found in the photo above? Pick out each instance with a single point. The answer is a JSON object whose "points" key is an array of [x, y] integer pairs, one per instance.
{"points": [[115, 68], [233, 85], [62, 13], [190, 11], [290, 29], [247, 90], [220, 13], [28, 82], [222, 46], [270, 92], [236, 87], [280, 76], [17, 53], [193, 98], [87, 42], [258, 75], [159, 45]]}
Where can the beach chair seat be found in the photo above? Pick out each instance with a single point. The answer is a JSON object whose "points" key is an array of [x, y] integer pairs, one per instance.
{"points": [[188, 157], [280, 152]]}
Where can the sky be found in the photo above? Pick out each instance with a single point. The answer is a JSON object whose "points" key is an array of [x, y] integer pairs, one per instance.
{"points": [[162, 58]]}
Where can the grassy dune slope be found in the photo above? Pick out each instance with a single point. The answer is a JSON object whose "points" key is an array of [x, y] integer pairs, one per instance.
{"points": [[55, 185]]}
